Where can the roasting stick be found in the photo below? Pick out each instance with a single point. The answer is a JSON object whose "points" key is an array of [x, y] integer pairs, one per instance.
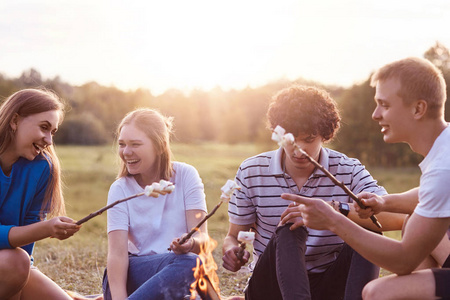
{"points": [[227, 190], [244, 238], [280, 136], [157, 188]]}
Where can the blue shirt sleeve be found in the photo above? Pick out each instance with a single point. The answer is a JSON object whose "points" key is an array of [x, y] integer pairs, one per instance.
{"points": [[4, 240], [21, 197]]}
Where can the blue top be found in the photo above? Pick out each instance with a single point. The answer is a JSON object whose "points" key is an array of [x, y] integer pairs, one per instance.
{"points": [[21, 196]]}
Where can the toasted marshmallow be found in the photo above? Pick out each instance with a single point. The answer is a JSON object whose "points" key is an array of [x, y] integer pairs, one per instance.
{"points": [[246, 237], [228, 190], [280, 136]]}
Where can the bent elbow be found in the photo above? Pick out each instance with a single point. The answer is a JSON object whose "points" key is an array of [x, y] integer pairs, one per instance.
{"points": [[404, 268]]}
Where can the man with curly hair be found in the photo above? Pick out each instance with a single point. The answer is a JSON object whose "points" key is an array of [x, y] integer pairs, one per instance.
{"points": [[301, 263]]}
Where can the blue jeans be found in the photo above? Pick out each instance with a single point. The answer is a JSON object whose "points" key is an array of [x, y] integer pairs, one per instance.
{"points": [[280, 272], [158, 276]]}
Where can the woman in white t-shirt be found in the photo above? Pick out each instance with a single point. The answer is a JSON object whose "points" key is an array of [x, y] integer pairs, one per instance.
{"points": [[140, 231]]}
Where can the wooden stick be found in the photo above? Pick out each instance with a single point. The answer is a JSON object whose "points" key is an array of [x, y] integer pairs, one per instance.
{"points": [[162, 188], [210, 293], [101, 210], [240, 253], [227, 190], [196, 228], [338, 183]]}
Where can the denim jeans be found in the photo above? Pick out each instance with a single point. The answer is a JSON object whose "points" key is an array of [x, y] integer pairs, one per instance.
{"points": [[158, 276], [280, 272]]}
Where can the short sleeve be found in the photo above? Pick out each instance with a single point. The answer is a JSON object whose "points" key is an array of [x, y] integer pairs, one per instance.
{"points": [[118, 215], [434, 195], [193, 188], [241, 210]]}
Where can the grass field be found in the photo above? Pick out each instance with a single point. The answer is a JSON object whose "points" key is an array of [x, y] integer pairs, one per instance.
{"points": [[77, 264]]}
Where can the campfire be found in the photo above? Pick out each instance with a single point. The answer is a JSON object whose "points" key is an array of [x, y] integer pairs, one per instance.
{"points": [[206, 284]]}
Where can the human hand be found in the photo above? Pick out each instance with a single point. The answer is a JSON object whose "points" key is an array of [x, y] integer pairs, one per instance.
{"points": [[231, 261], [62, 227], [373, 203], [186, 247], [316, 213], [292, 215]]}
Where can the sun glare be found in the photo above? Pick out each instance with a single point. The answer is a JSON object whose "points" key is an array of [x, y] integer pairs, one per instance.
{"points": [[204, 44]]}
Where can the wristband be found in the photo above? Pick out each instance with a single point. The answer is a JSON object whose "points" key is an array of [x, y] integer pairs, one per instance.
{"points": [[344, 208]]}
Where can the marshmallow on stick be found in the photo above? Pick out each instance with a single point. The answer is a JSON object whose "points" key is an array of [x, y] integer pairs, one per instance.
{"points": [[244, 238], [284, 139], [154, 190], [227, 190]]}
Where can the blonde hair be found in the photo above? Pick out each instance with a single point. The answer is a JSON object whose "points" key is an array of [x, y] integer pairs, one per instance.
{"points": [[419, 80], [28, 102], [158, 128]]}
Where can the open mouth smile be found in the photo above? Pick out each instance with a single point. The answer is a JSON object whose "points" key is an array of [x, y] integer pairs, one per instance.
{"points": [[38, 147], [132, 161]]}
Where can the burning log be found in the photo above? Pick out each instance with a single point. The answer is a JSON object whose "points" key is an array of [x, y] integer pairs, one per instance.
{"points": [[284, 139], [157, 188]]}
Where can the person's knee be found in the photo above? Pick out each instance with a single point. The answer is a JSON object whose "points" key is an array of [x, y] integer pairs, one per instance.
{"points": [[284, 234], [189, 262], [286, 228], [191, 258], [372, 291], [15, 263]]}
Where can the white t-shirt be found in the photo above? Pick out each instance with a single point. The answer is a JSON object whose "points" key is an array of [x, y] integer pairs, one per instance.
{"points": [[434, 190], [152, 223]]}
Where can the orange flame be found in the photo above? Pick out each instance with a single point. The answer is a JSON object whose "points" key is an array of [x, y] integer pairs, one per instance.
{"points": [[207, 268]]}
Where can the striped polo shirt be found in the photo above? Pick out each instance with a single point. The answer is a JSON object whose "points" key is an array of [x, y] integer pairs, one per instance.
{"points": [[259, 203]]}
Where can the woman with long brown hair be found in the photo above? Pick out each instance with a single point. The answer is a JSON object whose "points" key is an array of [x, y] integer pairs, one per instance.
{"points": [[30, 188]]}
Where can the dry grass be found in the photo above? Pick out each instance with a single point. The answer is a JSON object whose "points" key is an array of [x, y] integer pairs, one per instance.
{"points": [[77, 264]]}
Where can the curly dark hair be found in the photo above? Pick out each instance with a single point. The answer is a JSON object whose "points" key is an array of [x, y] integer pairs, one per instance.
{"points": [[304, 110]]}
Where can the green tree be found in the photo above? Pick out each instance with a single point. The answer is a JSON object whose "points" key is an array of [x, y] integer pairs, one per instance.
{"points": [[439, 55], [82, 129]]}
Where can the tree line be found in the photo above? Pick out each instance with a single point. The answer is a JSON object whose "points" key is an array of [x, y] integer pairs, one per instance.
{"points": [[234, 116]]}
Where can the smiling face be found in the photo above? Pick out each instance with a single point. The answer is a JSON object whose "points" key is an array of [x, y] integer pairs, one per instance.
{"points": [[138, 153], [392, 114], [33, 133]]}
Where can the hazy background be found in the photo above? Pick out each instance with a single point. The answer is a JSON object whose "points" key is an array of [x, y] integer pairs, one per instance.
{"points": [[206, 43], [214, 65]]}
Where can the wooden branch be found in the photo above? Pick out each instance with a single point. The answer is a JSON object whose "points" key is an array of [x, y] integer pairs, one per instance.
{"points": [[240, 253], [210, 293], [338, 183], [196, 228], [101, 210], [162, 188], [227, 190]]}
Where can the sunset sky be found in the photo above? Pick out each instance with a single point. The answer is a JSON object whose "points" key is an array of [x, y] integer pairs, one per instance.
{"points": [[207, 43]]}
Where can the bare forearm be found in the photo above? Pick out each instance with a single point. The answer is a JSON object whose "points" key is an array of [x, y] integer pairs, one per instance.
{"points": [[400, 257], [401, 203], [24, 235], [117, 276], [388, 221]]}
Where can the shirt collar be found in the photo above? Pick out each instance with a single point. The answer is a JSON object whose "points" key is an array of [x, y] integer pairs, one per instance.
{"points": [[275, 163], [275, 166]]}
